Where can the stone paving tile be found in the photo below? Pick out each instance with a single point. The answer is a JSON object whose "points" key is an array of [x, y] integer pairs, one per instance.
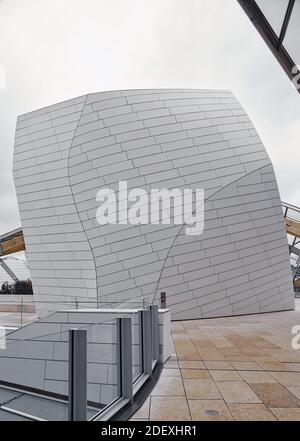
{"points": [[222, 375], [190, 324], [175, 326], [238, 358], [195, 373], [202, 343], [218, 365], [185, 350], [169, 409], [274, 366], [195, 334], [251, 412], [231, 352], [286, 356], [253, 352], [295, 390], [221, 342], [181, 337], [246, 366], [293, 367], [275, 395], [233, 367], [171, 364], [201, 389], [237, 392], [283, 414], [177, 332], [263, 343], [210, 354], [263, 358], [188, 364], [287, 378], [209, 410], [257, 377], [168, 386], [166, 372], [189, 356]]}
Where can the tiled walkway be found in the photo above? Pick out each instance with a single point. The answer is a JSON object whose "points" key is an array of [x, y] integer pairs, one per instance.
{"points": [[235, 368]]}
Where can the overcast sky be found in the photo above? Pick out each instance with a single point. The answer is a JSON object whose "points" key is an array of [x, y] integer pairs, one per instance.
{"points": [[52, 50]]}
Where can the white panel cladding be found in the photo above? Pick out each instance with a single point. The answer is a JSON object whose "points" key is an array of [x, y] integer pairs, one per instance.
{"points": [[61, 263], [231, 266], [153, 139]]}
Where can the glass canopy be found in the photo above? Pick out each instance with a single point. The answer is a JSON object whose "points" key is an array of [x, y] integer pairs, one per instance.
{"points": [[284, 18], [274, 11], [278, 22]]}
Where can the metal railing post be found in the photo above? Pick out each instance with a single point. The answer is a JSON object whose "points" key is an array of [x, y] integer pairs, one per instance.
{"points": [[21, 312], [145, 320], [163, 300], [155, 331], [125, 383], [77, 374]]}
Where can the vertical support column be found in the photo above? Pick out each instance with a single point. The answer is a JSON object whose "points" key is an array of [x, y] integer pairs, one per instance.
{"points": [[77, 374], [125, 383], [145, 317], [155, 331]]}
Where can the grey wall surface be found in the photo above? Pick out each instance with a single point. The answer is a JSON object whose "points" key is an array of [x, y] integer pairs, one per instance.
{"points": [[171, 138]]}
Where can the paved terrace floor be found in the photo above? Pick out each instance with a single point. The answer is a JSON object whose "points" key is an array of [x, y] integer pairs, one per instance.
{"points": [[235, 368]]}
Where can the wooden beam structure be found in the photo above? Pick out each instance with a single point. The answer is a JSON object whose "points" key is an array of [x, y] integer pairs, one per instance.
{"points": [[12, 242], [292, 227]]}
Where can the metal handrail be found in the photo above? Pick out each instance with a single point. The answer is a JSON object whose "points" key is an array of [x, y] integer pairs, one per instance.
{"points": [[290, 206]]}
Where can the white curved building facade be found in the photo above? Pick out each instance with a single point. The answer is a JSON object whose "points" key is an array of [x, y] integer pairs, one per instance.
{"points": [[169, 139]]}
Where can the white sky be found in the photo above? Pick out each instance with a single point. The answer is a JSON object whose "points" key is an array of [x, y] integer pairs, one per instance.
{"points": [[52, 50]]}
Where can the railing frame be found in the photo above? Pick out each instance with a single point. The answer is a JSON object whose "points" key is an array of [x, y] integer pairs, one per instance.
{"points": [[77, 374], [149, 346], [155, 332], [146, 341], [125, 380]]}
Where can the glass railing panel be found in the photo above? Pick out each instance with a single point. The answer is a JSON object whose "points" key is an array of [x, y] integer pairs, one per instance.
{"points": [[42, 349], [102, 363], [137, 367]]}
